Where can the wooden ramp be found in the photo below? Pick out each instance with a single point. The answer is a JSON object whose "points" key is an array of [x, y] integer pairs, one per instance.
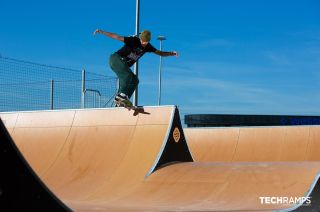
{"points": [[287, 149], [120, 160], [255, 144], [86, 156]]}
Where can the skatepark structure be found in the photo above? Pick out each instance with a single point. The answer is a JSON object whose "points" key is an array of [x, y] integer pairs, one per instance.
{"points": [[237, 120], [141, 160]]}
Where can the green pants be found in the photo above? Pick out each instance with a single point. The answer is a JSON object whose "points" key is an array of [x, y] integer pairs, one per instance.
{"points": [[127, 79]]}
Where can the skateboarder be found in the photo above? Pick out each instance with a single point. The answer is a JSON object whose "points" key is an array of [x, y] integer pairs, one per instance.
{"points": [[121, 61]]}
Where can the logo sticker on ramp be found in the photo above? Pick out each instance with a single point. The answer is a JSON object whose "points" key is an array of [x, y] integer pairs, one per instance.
{"points": [[176, 135]]}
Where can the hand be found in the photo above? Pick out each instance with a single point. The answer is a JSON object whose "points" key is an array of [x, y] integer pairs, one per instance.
{"points": [[98, 31]]}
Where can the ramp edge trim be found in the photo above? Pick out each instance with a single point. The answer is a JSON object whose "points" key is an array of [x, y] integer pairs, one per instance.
{"points": [[164, 142], [308, 194]]}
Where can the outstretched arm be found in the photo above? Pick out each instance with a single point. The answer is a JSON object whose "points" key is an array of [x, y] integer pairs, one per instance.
{"points": [[164, 54], [109, 34]]}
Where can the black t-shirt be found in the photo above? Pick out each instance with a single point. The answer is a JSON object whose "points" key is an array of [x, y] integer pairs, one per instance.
{"points": [[133, 50]]}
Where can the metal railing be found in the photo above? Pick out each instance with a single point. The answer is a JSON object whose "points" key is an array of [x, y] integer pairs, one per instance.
{"points": [[32, 86], [94, 99]]}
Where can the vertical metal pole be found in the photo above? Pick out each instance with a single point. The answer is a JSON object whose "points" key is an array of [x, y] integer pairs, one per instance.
{"points": [[118, 86], [136, 66], [51, 94], [160, 38], [160, 67], [83, 88]]}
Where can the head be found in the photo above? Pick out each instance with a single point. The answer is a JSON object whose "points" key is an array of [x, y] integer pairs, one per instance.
{"points": [[145, 37]]}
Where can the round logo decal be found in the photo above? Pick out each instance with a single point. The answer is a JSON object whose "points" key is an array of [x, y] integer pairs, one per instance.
{"points": [[176, 135]]}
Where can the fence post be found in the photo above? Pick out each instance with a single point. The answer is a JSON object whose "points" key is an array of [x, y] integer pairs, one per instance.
{"points": [[51, 94], [83, 87]]}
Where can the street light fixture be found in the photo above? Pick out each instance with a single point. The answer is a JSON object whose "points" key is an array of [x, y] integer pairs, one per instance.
{"points": [[160, 38], [136, 65]]}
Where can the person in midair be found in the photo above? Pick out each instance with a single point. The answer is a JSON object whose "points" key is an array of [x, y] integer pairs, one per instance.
{"points": [[120, 62]]}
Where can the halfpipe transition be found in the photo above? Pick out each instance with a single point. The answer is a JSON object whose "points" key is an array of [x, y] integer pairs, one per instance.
{"points": [[120, 160], [254, 144], [80, 153]]}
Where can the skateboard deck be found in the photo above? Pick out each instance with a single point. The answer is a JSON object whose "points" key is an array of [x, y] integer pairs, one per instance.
{"points": [[122, 104], [137, 109]]}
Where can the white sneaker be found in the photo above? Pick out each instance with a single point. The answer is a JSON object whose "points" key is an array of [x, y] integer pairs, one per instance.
{"points": [[123, 99]]}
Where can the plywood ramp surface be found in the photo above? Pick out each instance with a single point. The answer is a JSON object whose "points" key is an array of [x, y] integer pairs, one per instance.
{"points": [[96, 154], [220, 186], [120, 160], [255, 144]]}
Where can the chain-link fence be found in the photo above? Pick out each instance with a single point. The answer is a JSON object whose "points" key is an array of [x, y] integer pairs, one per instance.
{"points": [[31, 86]]}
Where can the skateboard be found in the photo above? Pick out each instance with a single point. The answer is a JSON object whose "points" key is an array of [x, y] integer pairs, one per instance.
{"points": [[137, 109], [129, 107]]}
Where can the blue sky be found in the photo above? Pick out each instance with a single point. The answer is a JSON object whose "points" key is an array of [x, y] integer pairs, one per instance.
{"points": [[237, 56]]}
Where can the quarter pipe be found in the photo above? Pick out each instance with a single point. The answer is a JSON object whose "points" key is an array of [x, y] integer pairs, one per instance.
{"points": [[120, 160]]}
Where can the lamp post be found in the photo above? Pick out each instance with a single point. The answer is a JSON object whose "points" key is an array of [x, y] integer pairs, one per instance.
{"points": [[136, 65], [160, 38]]}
